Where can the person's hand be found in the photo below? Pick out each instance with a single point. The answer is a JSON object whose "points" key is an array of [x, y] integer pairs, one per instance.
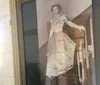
{"points": [[81, 28]]}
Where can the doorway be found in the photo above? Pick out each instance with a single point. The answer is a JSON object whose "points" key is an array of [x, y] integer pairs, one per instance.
{"points": [[30, 38]]}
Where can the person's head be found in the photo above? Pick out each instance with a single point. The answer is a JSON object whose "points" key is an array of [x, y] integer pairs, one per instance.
{"points": [[56, 8]]}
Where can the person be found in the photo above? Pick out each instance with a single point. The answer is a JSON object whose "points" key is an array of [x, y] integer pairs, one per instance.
{"points": [[60, 49]]}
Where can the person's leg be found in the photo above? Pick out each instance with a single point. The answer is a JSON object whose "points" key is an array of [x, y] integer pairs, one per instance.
{"points": [[62, 80], [47, 81], [54, 81]]}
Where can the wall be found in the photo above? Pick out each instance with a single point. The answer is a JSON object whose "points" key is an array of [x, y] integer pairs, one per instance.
{"points": [[96, 29], [6, 58], [71, 8]]}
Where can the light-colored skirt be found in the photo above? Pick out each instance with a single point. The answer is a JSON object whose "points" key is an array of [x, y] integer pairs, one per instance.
{"points": [[60, 54]]}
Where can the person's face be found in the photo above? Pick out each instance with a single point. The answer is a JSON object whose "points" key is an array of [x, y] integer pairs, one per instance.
{"points": [[55, 10]]}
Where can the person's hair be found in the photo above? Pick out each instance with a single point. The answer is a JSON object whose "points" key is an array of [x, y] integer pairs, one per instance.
{"points": [[56, 5]]}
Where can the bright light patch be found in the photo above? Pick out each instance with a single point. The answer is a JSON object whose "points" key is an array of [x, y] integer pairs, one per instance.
{"points": [[2, 35]]}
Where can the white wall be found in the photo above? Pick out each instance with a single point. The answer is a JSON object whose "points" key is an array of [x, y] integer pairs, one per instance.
{"points": [[6, 58], [71, 8]]}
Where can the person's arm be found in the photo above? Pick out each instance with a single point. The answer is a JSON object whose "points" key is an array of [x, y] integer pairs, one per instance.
{"points": [[71, 24], [50, 30], [51, 33]]}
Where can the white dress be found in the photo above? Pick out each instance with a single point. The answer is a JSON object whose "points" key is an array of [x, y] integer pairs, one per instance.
{"points": [[60, 50]]}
